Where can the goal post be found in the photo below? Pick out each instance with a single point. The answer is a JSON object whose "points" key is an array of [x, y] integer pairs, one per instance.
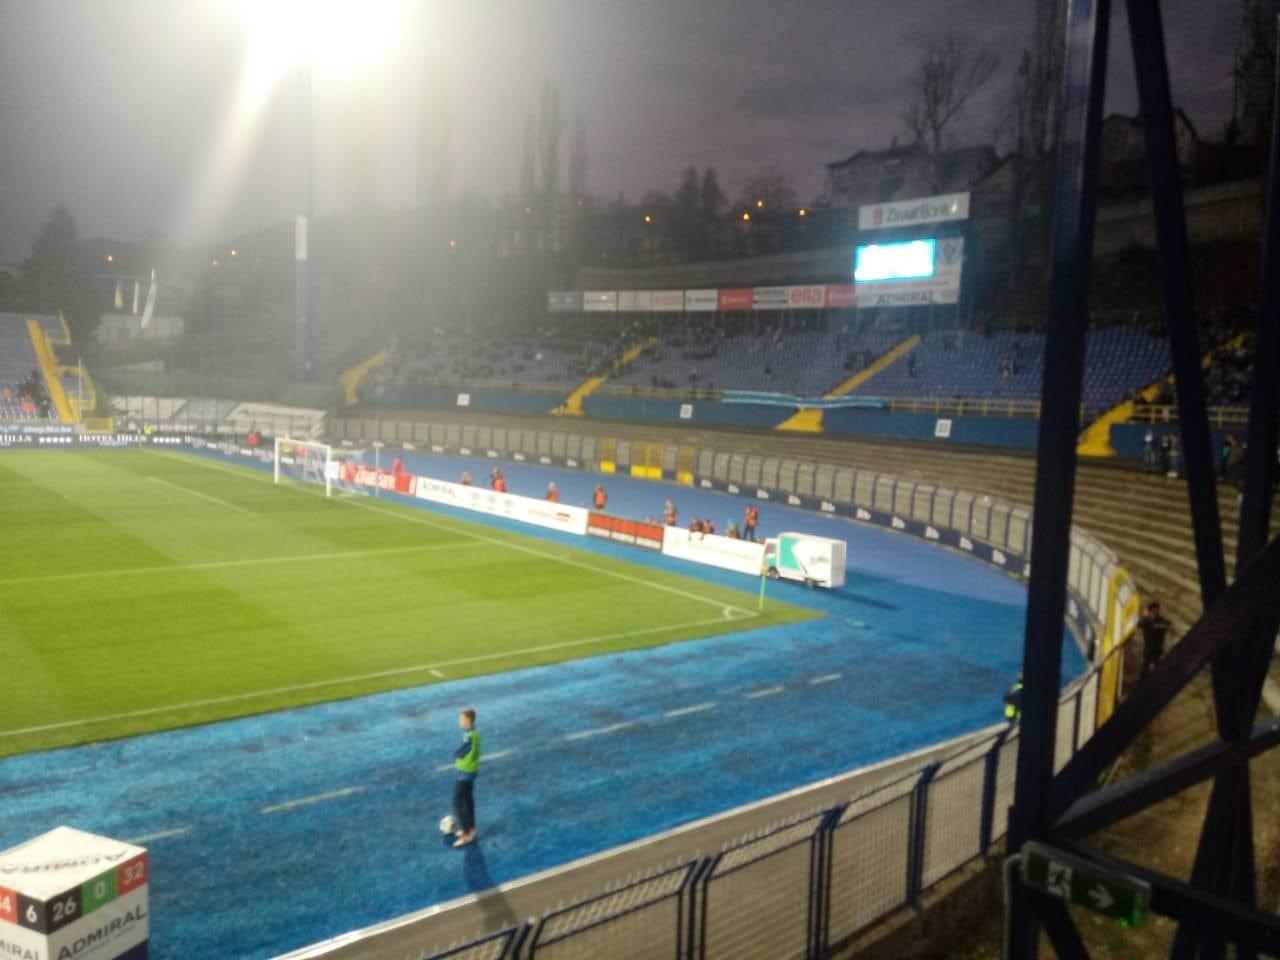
{"points": [[304, 460]]}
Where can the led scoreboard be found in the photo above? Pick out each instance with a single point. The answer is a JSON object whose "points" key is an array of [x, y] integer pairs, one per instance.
{"points": [[908, 272]]}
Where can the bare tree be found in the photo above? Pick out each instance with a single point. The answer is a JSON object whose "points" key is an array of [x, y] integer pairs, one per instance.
{"points": [[550, 128], [528, 165], [1255, 72], [768, 190], [578, 161], [950, 73], [435, 141]]}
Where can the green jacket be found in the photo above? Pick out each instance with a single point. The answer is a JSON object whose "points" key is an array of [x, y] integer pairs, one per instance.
{"points": [[467, 757]]}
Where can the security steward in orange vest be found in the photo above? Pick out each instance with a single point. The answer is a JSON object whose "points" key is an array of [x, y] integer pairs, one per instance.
{"points": [[600, 498], [752, 518]]}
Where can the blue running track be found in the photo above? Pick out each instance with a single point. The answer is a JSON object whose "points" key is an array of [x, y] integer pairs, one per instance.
{"points": [[271, 832]]}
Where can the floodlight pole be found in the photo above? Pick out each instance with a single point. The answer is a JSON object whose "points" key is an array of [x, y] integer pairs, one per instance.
{"points": [[302, 223]]}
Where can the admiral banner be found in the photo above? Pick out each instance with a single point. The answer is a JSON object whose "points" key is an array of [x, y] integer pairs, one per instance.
{"points": [[668, 301], [564, 301], [943, 287], [701, 301], [540, 513], [769, 298], [809, 297], [71, 894], [600, 301], [634, 300], [910, 213]]}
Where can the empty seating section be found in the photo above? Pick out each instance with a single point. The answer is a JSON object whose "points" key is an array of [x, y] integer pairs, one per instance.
{"points": [[1008, 366], [799, 362], [17, 362], [562, 354]]}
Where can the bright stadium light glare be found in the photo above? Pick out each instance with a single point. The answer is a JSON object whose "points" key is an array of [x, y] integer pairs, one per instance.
{"points": [[334, 35]]}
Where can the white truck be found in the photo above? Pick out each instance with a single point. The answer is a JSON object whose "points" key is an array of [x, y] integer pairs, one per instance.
{"points": [[807, 559]]}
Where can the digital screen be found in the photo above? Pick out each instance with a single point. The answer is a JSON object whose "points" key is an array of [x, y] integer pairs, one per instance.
{"points": [[908, 260]]}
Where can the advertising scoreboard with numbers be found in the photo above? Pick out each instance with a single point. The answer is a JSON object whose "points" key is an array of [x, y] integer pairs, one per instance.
{"points": [[71, 895]]}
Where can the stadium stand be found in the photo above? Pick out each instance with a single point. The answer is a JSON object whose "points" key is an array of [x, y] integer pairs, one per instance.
{"points": [[563, 353], [766, 356], [1007, 365], [17, 363]]}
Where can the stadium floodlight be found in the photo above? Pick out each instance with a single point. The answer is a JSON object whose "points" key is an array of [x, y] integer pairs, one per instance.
{"points": [[305, 37]]}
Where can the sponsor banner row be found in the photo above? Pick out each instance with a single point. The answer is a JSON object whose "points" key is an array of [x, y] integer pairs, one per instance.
{"points": [[813, 296], [540, 513], [635, 532], [740, 556]]}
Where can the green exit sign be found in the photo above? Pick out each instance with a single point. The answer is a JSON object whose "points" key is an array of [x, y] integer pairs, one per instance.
{"points": [[1085, 884]]}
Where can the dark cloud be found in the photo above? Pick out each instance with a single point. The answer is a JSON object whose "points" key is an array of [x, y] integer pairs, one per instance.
{"points": [[120, 107]]}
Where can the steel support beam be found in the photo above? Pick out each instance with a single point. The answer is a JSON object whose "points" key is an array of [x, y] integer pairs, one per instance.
{"points": [[1075, 207], [1113, 803], [1255, 595]]}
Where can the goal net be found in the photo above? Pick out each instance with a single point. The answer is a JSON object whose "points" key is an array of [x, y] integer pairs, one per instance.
{"points": [[307, 461]]}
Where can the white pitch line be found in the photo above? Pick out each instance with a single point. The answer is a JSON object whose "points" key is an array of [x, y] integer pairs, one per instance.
{"points": [[147, 838], [685, 711], [250, 562], [206, 496], [826, 678], [307, 801], [522, 548], [766, 692], [436, 673], [356, 678], [598, 731]]}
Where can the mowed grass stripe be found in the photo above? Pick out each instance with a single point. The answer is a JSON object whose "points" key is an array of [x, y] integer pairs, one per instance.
{"points": [[236, 622]]}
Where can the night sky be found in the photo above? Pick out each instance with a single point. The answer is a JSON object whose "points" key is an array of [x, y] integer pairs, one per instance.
{"points": [[125, 109]]}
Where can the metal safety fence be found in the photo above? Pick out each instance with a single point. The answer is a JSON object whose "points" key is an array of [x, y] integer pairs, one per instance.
{"points": [[794, 890]]}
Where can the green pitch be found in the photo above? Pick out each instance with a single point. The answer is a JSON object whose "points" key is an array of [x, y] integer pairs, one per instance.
{"points": [[143, 589]]}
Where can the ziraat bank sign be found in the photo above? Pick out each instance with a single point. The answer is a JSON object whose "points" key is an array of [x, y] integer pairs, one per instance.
{"points": [[909, 213]]}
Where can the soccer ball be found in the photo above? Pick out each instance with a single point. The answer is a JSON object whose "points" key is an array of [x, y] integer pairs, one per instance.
{"points": [[448, 824]]}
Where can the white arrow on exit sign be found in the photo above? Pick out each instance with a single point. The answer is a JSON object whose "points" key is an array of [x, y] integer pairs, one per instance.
{"points": [[1101, 897]]}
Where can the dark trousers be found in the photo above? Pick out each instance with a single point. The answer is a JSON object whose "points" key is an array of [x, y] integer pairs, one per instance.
{"points": [[464, 804], [749, 532]]}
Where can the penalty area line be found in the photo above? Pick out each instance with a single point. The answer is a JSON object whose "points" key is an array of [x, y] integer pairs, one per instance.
{"points": [[742, 612], [358, 678]]}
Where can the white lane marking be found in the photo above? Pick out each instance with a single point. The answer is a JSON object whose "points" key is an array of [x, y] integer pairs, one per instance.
{"points": [[250, 562], [147, 838], [522, 548], [356, 678], [825, 678], [766, 692], [436, 673], [484, 758], [598, 731], [685, 711], [205, 496], [307, 801]]}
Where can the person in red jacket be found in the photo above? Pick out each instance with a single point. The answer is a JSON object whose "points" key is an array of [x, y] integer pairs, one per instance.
{"points": [[600, 498], [752, 518], [397, 466], [553, 494]]}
